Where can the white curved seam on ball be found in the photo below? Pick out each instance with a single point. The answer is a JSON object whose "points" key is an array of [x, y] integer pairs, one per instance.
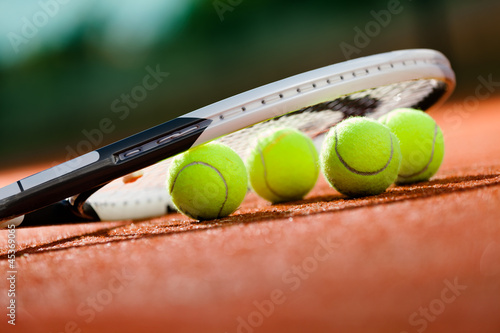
{"points": [[430, 159], [210, 166], [265, 175], [362, 173]]}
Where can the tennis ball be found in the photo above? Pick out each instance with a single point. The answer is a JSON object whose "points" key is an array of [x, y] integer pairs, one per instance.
{"points": [[360, 157], [283, 165], [207, 182], [421, 141]]}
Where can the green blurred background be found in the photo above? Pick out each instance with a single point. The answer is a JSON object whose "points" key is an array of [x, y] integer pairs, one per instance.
{"points": [[65, 65]]}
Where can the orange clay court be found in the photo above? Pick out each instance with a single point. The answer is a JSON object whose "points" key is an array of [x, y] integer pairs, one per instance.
{"points": [[417, 258]]}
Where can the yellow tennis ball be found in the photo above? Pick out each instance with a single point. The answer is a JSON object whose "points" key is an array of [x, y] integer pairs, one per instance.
{"points": [[360, 157], [421, 141], [283, 165], [207, 182]]}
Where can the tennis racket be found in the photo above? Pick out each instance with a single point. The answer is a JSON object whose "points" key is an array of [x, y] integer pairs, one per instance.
{"points": [[126, 179]]}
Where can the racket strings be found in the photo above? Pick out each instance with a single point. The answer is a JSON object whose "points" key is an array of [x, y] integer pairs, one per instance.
{"points": [[148, 193]]}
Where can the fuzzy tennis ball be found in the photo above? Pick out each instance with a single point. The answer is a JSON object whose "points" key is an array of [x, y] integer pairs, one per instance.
{"points": [[283, 165], [207, 182], [360, 157], [421, 141]]}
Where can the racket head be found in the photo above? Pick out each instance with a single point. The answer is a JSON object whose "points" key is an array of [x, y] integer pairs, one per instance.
{"points": [[311, 102], [370, 86]]}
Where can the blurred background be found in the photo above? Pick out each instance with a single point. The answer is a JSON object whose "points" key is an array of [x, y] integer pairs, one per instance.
{"points": [[78, 74]]}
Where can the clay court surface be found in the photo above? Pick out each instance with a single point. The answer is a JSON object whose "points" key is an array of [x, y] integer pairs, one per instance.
{"points": [[420, 258]]}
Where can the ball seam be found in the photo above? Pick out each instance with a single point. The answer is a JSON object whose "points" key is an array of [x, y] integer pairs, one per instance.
{"points": [[265, 175], [210, 166], [362, 173], [430, 159]]}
